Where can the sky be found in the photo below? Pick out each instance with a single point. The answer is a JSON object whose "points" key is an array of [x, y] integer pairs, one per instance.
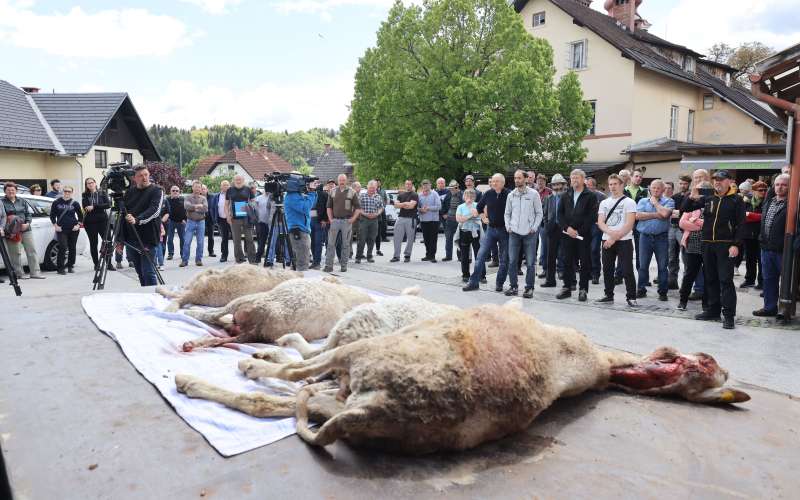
{"points": [[275, 64]]}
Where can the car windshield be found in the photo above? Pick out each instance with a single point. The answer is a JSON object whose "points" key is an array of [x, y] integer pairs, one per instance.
{"points": [[392, 197]]}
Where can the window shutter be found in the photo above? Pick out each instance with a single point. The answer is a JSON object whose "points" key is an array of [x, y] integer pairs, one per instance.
{"points": [[585, 53]]}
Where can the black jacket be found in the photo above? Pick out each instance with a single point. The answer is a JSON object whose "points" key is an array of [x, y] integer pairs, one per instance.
{"points": [[723, 217], [579, 216], [177, 210], [549, 210], [752, 230], [322, 203], [774, 240], [146, 205], [100, 202], [66, 214]]}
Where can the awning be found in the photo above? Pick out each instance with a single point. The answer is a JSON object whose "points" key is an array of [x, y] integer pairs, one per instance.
{"points": [[771, 162]]}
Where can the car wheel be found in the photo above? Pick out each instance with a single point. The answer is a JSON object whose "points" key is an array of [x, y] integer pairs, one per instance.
{"points": [[50, 257]]}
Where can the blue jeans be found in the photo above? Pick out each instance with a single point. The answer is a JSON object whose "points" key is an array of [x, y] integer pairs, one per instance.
{"points": [[657, 244], [528, 243], [146, 272], [194, 228], [159, 257], [597, 241], [450, 227], [319, 235], [494, 237], [172, 228], [771, 263]]}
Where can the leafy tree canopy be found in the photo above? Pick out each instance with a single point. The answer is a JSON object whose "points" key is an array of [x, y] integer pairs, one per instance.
{"points": [[458, 86], [743, 58]]}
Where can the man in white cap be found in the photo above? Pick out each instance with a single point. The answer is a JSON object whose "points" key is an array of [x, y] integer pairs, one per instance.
{"points": [[551, 228]]}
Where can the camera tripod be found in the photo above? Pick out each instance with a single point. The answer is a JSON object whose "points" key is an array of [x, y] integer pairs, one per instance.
{"points": [[110, 237], [12, 274], [282, 241]]}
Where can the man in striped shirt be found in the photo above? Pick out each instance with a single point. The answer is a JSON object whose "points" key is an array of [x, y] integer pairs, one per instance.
{"points": [[371, 209]]}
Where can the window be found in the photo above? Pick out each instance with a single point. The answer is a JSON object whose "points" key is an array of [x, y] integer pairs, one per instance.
{"points": [[578, 54], [673, 122], [688, 64], [100, 158], [593, 130], [231, 168], [538, 19], [128, 158], [708, 101], [690, 129]]}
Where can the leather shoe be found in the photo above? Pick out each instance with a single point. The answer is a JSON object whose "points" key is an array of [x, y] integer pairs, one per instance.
{"points": [[707, 316], [494, 264], [662, 297], [763, 313], [582, 296], [727, 323], [528, 293], [511, 292], [605, 300], [640, 294], [470, 287], [394, 259], [565, 293], [548, 285]]}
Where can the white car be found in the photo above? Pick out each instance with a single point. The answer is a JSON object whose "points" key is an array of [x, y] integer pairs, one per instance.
{"points": [[43, 232], [391, 211]]}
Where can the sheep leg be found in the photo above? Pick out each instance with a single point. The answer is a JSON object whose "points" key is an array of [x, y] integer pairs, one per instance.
{"points": [[300, 344], [273, 355], [349, 421], [211, 341], [167, 293], [212, 316], [300, 370]]}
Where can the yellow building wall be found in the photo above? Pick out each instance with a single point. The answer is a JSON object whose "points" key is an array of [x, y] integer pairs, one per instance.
{"points": [[113, 155], [654, 95], [726, 124], [608, 78], [33, 165]]}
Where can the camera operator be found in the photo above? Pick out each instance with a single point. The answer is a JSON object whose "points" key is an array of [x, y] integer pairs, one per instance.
{"points": [[297, 207], [144, 202]]}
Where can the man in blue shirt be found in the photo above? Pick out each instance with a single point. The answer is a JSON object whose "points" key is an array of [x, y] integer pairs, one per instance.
{"points": [[652, 215], [297, 207], [492, 207]]}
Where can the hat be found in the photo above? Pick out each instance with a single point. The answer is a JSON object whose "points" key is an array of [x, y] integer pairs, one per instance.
{"points": [[425, 181], [745, 186], [330, 181], [721, 174], [760, 186], [469, 177], [453, 184], [558, 179]]}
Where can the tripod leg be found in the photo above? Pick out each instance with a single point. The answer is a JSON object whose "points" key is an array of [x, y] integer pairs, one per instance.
{"points": [[269, 240]]}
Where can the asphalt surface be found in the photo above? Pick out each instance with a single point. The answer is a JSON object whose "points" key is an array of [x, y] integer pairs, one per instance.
{"points": [[78, 421]]}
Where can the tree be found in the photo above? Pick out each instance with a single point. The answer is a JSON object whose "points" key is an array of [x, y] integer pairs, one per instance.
{"points": [[746, 57], [213, 181], [459, 86], [720, 52], [165, 175]]}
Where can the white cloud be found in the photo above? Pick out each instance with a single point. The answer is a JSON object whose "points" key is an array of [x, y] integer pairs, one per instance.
{"points": [[108, 34], [274, 105], [325, 8], [215, 7], [699, 24]]}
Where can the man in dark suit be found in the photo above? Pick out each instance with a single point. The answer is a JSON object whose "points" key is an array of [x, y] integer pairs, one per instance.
{"points": [[577, 213], [211, 219], [552, 230]]}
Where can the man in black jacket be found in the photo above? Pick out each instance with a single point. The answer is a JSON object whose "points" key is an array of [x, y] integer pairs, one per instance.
{"points": [[143, 202], [577, 213], [772, 229], [723, 226], [552, 230]]}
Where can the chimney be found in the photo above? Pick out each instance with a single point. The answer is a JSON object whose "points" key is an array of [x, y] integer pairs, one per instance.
{"points": [[30, 90], [327, 149], [624, 11]]}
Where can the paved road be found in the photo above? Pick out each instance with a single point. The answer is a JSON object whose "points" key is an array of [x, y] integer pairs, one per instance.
{"points": [[69, 400]]}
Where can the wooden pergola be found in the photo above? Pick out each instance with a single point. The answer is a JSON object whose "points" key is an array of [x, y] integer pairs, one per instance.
{"points": [[777, 83]]}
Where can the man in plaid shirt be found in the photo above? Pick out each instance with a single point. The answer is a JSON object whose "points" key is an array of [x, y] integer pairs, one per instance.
{"points": [[371, 209]]}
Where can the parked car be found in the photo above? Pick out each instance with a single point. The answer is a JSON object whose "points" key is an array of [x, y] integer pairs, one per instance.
{"points": [[43, 232], [391, 211], [20, 188]]}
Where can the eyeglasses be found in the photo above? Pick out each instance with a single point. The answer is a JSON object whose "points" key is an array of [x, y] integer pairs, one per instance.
{"points": [[68, 191]]}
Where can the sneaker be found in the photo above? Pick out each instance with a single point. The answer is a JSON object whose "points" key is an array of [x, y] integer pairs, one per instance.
{"points": [[483, 281], [183, 264], [605, 300], [595, 281], [130, 264], [60, 271], [212, 255], [663, 297], [470, 287], [511, 292], [728, 323], [71, 270], [565, 293], [747, 284], [763, 313], [37, 277], [269, 264], [695, 296], [493, 264], [198, 263], [582, 296], [328, 269], [379, 253], [682, 305], [447, 259], [528, 293], [394, 259], [707, 316], [424, 259], [632, 302], [407, 258], [432, 261], [548, 284], [169, 257], [640, 294], [498, 289], [223, 259]]}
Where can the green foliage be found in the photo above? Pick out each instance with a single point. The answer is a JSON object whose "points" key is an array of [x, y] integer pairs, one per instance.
{"points": [[743, 58], [165, 175], [213, 181], [187, 147], [459, 86]]}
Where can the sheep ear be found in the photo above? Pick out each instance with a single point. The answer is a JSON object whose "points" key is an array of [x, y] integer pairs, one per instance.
{"points": [[720, 395], [515, 304]]}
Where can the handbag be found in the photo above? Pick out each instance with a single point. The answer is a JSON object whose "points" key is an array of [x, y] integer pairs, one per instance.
{"points": [[13, 229]]}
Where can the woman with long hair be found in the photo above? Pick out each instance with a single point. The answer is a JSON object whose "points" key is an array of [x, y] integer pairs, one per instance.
{"points": [[95, 204]]}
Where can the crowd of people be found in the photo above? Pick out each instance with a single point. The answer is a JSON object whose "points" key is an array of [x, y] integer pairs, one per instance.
{"points": [[706, 224]]}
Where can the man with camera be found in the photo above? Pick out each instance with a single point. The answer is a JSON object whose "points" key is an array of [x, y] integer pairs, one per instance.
{"points": [[297, 207], [343, 210], [723, 228], [143, 202]]}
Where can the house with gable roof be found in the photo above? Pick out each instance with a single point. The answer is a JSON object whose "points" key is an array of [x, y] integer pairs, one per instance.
{"points": [[250, 163], [68, 136], [658, 106]]}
